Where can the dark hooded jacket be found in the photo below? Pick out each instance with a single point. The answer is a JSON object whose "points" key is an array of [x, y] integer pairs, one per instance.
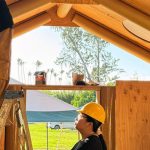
{"points": [[5, 16]]}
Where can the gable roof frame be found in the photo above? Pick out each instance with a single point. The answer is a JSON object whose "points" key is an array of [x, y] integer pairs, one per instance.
{"points": [[106, 16]]}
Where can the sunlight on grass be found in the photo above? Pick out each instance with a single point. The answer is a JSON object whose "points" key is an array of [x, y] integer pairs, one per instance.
{"points": [[57, 139]]}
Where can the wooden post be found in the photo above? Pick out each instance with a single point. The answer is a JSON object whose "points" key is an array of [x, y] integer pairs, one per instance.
{"points": [[4, 112], [2, 139], [98, 97], [11, 135]]}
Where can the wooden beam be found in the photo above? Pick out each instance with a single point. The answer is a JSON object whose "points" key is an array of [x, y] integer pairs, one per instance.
{"points": [[141, 5], [31, 24], [127, 11], [74, 1], [63, 10], [110, 20], [53, 87], [57, 21], [25, 9], [112, 37], [11, 1]]}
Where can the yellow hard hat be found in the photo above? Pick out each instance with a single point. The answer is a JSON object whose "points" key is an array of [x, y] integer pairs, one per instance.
{"points": [[94, 110]]}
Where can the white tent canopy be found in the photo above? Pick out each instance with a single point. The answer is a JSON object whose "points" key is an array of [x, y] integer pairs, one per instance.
{"points": [[38, 101]]}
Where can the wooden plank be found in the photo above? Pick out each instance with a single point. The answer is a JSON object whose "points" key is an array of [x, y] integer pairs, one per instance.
{"points": [[53, 87], [11, 1], [75, 1], [31, 24], [111, 37], [109, 19], [107, 100], [2, 140], [143, 6], [25, 124], [132, 115], [128, 12], [11, 134], [26, 9], [4, 113]]}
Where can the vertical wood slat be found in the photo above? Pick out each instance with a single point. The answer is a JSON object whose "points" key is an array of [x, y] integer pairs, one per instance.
{"points": [[107, 100], [4, 112], [132, 115], [26, 127], [2, 140], [11, 134]]}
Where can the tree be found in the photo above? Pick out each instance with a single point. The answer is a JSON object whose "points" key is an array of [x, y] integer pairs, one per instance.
{"points": [[29, 77], [83, 97], [85, 53], [38, 64], [55, 76], [51, 73], [18, 63], [21, 71]]}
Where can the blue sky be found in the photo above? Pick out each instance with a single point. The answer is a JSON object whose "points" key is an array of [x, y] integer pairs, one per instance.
{"points": [[44, 44]]}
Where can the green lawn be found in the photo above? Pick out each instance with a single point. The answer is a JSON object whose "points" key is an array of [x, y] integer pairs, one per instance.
{"points": [[62, 139]]}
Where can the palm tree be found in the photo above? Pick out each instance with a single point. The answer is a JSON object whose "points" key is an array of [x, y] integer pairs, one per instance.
{"points": [[38, 64], [23, 72], [55, 76], [60, 80], [29, 77], [51, 73], [61, 72], [18, 63]]}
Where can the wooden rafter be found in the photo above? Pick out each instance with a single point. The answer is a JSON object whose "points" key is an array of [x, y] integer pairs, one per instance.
{"points": [[25, 9], [127, 11], [111, 37], [111, 21], [63, 10], [31, 24]]}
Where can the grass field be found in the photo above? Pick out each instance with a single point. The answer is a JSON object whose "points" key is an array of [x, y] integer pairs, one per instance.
{"points": [[62, 139]]}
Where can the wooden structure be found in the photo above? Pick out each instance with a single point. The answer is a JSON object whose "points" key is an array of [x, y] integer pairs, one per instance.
{"points": [[125, 23], [127, 108]]}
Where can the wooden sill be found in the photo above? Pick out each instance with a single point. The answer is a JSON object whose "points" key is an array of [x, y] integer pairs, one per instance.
{"points": [[53, 87]]}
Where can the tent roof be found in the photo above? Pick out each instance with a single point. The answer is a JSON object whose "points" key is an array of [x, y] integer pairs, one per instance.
{"points": [[58, 116], [124, 23], [38, 101]]}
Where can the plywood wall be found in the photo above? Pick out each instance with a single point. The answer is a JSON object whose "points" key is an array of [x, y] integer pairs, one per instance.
{"points": [[132, 115]]}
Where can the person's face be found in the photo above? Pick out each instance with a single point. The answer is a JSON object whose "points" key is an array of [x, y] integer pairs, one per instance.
{"points": [[81, 122]]}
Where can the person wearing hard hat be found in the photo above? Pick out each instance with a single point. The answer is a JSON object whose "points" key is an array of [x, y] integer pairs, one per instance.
{"points": [[88, 123]]}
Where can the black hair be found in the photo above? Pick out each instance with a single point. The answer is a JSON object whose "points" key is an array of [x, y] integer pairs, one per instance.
{"points": [[96, 125]]}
